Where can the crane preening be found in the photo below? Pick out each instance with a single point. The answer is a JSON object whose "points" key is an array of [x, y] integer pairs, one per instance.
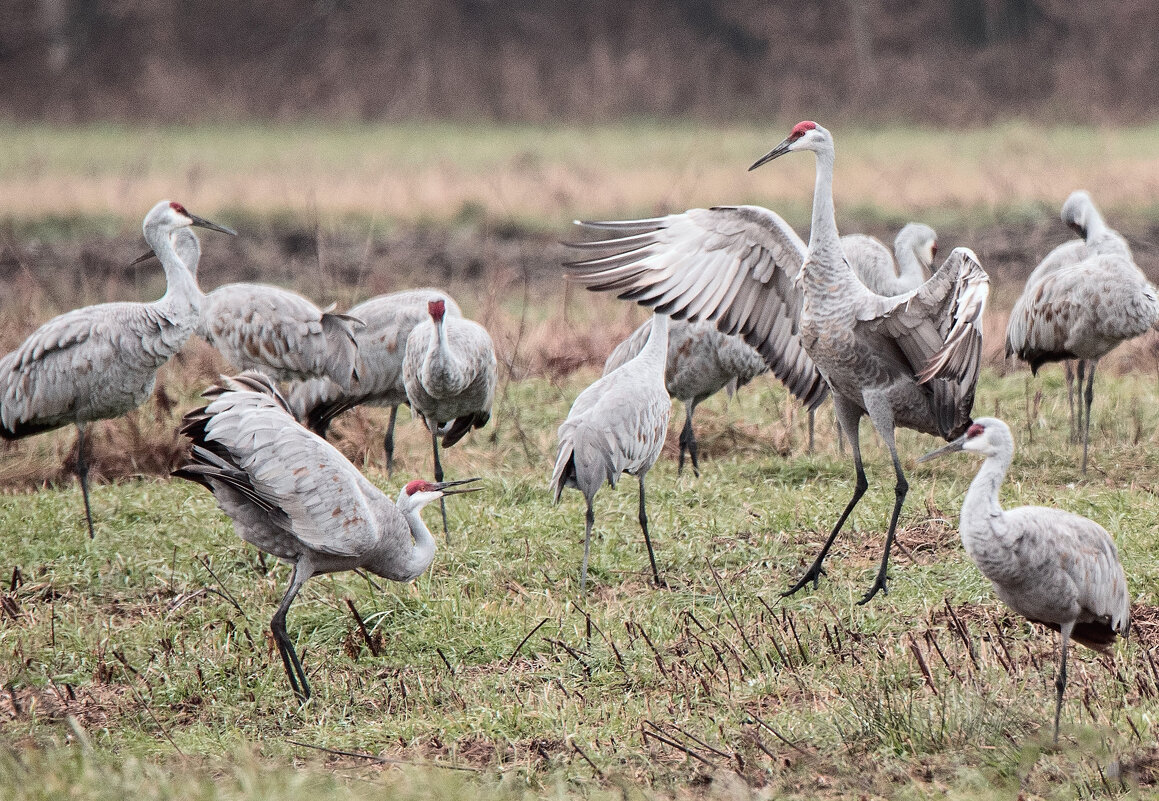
{"points": [[1052, 567], [910, 360], [101, 361], [295, 496]]}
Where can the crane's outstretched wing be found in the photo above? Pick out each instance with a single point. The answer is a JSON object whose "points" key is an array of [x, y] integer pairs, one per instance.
{"points": [[735, 265], [938, 329], [270, 474]]}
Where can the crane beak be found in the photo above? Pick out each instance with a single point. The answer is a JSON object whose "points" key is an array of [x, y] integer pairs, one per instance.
{"points": [[953, 447], [201, 222], [776, 152], [444, 487], [148, 254]]}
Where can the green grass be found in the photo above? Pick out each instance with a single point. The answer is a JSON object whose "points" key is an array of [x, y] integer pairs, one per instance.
{"points": [[52, 179], [125, 660]]}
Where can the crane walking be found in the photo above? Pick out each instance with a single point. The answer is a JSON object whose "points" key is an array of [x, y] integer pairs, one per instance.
{"points": [[1083, 300], [101, 361], [617, 425], [381, 342], [449, 371], [701, 361], [1052, 567], [910, 360], [293, 495]]}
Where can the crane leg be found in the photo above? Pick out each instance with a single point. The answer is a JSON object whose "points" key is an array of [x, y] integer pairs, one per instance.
{"points": [[848, 417], [589, 520], [647, 539], [82, 473], [812, 426], [439, 477], [880, 415], [1074, 435], [290, 659], [688, 443], [1060, 679], [388, 442], [1090, 396]]}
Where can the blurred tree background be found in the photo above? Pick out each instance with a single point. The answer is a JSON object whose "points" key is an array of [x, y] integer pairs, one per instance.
{"points": [[944, 62]]}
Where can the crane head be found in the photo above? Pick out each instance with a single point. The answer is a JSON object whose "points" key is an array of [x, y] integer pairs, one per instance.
{"points": [[437, 309], [419, 493], [988, 436], [806, 135], [1076, 212]]}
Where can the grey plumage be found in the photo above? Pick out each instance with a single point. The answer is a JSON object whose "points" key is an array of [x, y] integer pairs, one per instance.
{"points": [[888, 274], [293, 495], [101, 361], [381, 343], [1083, 300], [910, 360], [1050, 566], [617, 425], [701, 361], [449, 372]]}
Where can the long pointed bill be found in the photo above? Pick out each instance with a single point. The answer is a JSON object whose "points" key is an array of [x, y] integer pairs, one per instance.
{"points": [[444, 486], [953, 447], [148, 254], [201, 222], [776, 152]]}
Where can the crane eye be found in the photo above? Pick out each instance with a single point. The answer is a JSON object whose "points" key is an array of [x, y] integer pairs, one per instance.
{"points": [[975, 430]]}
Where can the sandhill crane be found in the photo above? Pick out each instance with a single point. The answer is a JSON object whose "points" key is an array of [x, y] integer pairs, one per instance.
{"points": [[293, 495], [1081, 302], [273, 330], [914, 249], [701, 362], [101, 361], [1052, 567], [388, 321], [910, 360], [617, 425], [449, 374]]}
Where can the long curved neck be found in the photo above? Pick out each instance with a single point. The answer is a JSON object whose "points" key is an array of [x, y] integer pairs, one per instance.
{"points": [[422, 553], [655, 350], [181, 287], [826, 258], [981, 502], [1095, 224], [910, 269], [442, 370]]}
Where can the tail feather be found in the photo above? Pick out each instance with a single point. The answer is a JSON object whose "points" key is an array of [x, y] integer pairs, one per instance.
{"points": [[1094, 634], [583, 462], [462, 425], [341, 347]]}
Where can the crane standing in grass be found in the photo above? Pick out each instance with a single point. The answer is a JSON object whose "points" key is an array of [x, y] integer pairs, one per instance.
{"points": [[701, 361], [617, 425], [910, 360], [388, 320], [1083, 300], [293, 495], [449, 372], [101, 361], [1052, 567]]}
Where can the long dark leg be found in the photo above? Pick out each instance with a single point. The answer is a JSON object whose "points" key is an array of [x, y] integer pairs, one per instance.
{"points": [[388, 442], [848, 417], [1060, 679], [688, 442], [290, 660], [82, 472], [647, 539], [882, 416], [1090, 396], [812, 425], [1070, 399], [589, 520], [439, 477], [1082, 371]]}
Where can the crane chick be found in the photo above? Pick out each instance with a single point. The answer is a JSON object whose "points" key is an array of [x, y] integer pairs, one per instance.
{"points": [[293, 495], [617, 425], [1052, 567]]}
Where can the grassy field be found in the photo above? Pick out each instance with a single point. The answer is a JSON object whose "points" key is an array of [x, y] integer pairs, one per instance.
{"points": [[139, 664]]}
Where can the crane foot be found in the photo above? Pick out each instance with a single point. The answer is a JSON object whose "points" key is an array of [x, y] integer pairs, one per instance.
{"points": [[878, 585], [813, 574]]}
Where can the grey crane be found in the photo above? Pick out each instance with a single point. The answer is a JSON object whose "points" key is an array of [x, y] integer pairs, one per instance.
{"points": [[914, 249], [1052, 567], [293, 495], [701, 361], [273, 330], [101, 361], [910, 360], [1083, 300], [388, 321], [617, 425], [449, 372]]}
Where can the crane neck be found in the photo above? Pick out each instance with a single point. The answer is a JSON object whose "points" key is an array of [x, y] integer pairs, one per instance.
{"points": [[405, 556], [910, 269], [442, 371], [181, 286], [826, 265], [423, 552], [655, 350], [981, 505]]}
